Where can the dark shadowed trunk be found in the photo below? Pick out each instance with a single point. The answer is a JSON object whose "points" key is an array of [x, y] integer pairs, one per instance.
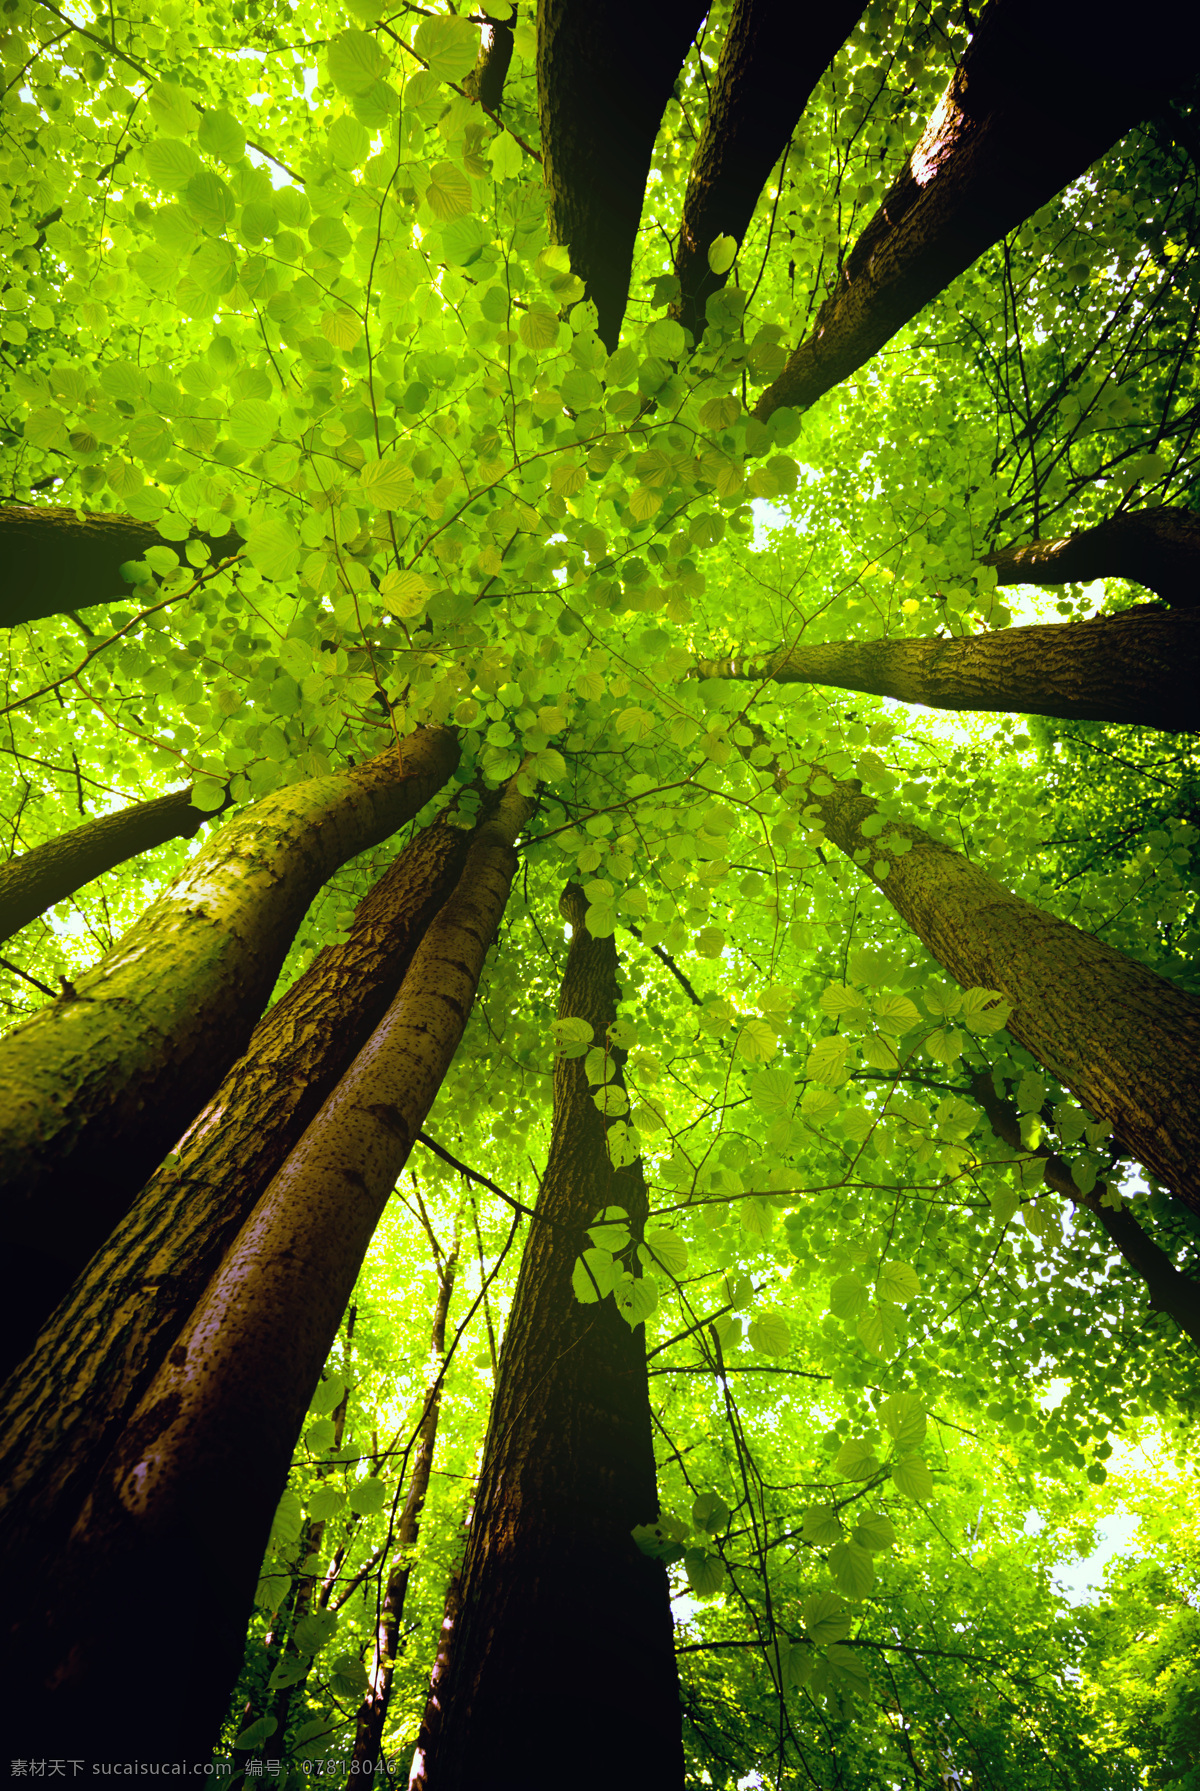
{"points": [[102, 1082], [605, 73], [772, 58], [37, 879], [1038, 96], [1139, 666], [1124, 1041], [485, 82], [1158, 548], [1168, 1290], [56, 559], [63, 1406], [192, 1484], [561, 1650]]}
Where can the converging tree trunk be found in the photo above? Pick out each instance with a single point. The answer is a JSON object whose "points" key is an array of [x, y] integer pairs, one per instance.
{"points": [[56, 559], [771, 60], [1038, 96], [193, 1482], [36, 880], [63, 1406], [372, 1715], [1139, 666], [1124, 1041], [1158, 548], [605, 73], [560, 1659]]}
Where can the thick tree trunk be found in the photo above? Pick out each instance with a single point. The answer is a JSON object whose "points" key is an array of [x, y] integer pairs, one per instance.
{"points": [[1124, 1041], [101, 1083], [373, 1711], [192, 1484], [605, 73], [1038, 96], [64, 1405], [1169, 1291], [771, 60], [1140, 666], [560, 1661], [50, 873], [56, 559], [1158, 548]]}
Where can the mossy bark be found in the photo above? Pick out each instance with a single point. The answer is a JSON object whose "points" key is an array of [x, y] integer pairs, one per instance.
{"points": [[192, 1484], [63, 1406], [1139, 666], [560, 1657], [100, 1085]]}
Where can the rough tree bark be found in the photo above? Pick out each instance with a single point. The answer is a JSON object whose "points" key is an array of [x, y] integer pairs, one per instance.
{"points": [[372, 1714], [56, 559], [36, 880], [1038, 96], [62, 1408], [562, 1643], [605, 73], [771, 60], [485, 83], [193, 1482], [1139, 666], [1124, 1041], [1169, 1291], [1158, 548], [101, 1083]]}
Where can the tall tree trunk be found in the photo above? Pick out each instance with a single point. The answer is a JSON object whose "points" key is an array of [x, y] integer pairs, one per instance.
{"points": [[36, 880], [1169, 1291], [1158, 548], [1140, 666], [63, 1407], [562, 1647], [1038, 96], [101, 1083], [1125, 1041], [193, 1482], [56, 559], [605, 73], [771, 60], [372, 1715]]}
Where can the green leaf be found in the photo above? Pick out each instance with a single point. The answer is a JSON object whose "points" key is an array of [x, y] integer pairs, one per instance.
{"points": [[314, 1631], [705, 1572], [821, 1525], [912, 1477], [849, 1296], [252, 422], [367, 1496], [172, 110], [874, 1530], [897, 1282], [222, 136], [710, 1513], [355, 62], [170, 164], [274, 547], [662, 1541], [539, 329], [208, 793], [827, 1060], [325, 1503], [722, 253], [450, 46], [448, 194], [669, 1251], [593, 1276], [856, 1460], [852, 1568], [773, 1091], [849, 1672], [257, 1732], [769, 1334], [636, 1297], [903, 1417], [825, 1618], [757, 1042], [404, 593]]}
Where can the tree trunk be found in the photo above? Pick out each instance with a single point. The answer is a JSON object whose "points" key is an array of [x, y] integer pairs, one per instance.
{"points": [[63, 1408], [605, 73], [1124, 1041], [485, 83], [1169, 1291], [1038, 96], [372, 1714], [1158, 548], [1139, 666], [562, 1647], [50, 873], [193, 1482], [56, 559], [771, 60], [101, 1083]]}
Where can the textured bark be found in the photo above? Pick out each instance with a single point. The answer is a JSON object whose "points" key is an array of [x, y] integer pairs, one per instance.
{"points": [[560, 1661], [1124, 1041], [1168, 1290], [193, 1482], [1038, 96], [62, 1408], [605, 73], [1158, 548], [98, 1086], [770, 62], [1140, 666], [37, 879], [485, 82], [56, 559], [372, 1714]]}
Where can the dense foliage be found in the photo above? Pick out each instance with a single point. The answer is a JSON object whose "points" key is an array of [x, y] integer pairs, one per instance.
{"points": [[277, 280]]}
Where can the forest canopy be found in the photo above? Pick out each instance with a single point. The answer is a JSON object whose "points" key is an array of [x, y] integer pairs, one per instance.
{"points": [[598, 622]]}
